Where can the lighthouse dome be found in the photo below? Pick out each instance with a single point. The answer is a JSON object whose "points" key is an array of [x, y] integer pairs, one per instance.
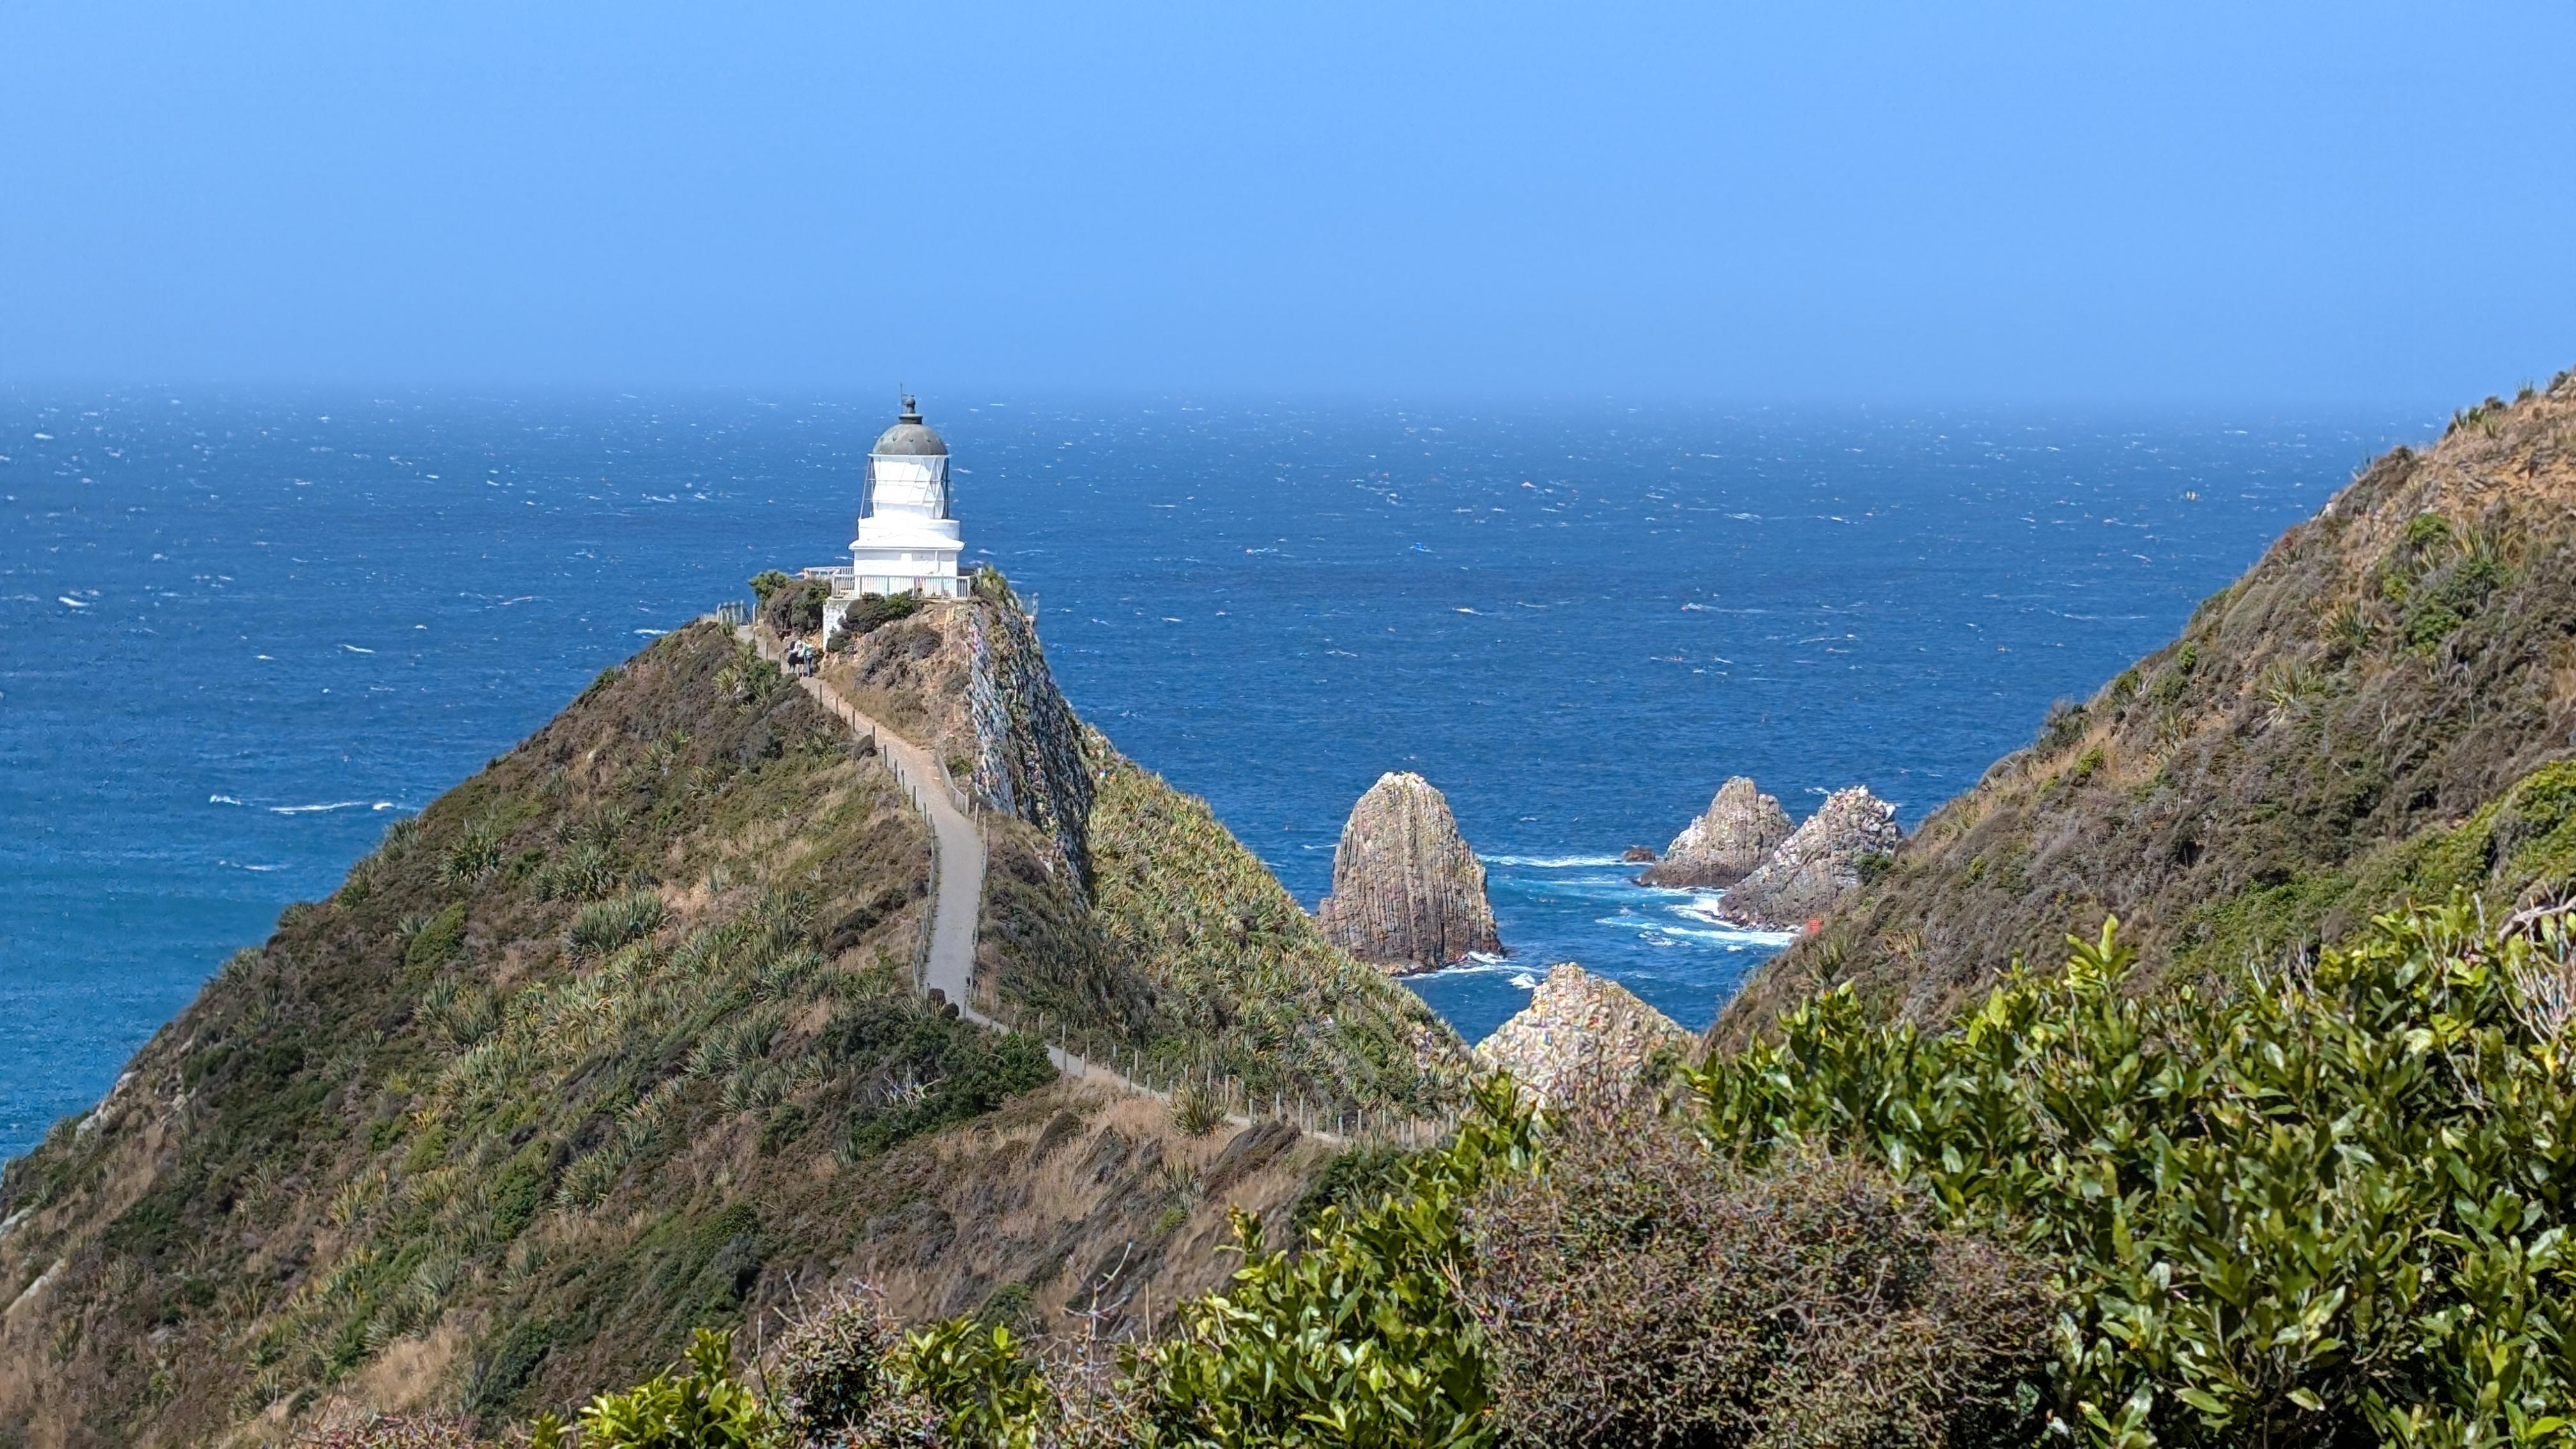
{"points": [[910, 437]]}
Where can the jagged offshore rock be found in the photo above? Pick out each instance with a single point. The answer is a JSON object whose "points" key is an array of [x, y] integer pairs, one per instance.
{"points": [[1407, 892], [1740, 829], [1817, 866], [1580, 1032]]}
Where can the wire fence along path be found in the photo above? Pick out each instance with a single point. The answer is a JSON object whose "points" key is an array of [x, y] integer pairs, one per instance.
{"points": [[944, 961], [1091, 1055]]}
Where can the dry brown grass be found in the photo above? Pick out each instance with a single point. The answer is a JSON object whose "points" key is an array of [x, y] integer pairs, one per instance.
{"points": [[2311, 714], [1075, 1185]]}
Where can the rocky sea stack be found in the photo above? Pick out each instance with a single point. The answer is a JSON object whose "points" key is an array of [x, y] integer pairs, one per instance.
{"points": [[1580, 1032], [1740, 829], [1407, 894], [1818, 865]]}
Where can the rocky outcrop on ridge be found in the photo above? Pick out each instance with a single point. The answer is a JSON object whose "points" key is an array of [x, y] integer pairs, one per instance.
{"points": [[1028, 744], [1738, 832], [1818, 865], [1580, 1032], [1407, 894]]}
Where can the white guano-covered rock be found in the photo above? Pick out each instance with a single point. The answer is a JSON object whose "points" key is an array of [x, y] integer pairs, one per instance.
{"points": [[1818, 866], [1581, 1033]]}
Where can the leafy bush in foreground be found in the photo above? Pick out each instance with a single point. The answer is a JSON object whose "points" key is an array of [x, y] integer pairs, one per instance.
{"points": [[2321, 1206], [1638, 1290], [705, 1407], [1361, 1339], [2324, 1205]]}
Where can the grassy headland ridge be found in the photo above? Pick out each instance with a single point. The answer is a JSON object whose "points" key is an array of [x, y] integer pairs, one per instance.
{"points": [[617, 1040], [2380, 709]]}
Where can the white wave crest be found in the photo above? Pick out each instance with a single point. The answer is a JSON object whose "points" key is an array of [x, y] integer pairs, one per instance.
{"points": [[333, 805], [1550, 862], [1475, 963], [221, 800]]}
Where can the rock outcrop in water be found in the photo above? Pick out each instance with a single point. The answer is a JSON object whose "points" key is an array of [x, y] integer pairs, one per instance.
{"points": [[1408, 894], [1580, 1033], [1738, 832], [1818, 865]]}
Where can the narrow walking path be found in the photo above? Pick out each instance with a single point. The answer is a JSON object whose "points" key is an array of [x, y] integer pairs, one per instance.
{"points": [[957, 882], [957, 846]]}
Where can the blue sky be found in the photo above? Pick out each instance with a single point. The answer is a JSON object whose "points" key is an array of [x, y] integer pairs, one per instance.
{"points": [[1997, 203]]}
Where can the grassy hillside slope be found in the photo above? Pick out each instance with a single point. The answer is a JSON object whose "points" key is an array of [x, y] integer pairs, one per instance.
{"points": [[1121, 906], [615, 1040], [1194, 955], [2376, 710]]}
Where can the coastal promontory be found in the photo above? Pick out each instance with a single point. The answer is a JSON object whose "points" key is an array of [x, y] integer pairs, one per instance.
{"points": [[1726, 843], [1818, 865], [1408, 894]]}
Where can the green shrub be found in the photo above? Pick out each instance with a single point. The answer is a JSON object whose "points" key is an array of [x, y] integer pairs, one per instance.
{"points": [[698, 1404], [1355, 1178], [603, 927], [984, 1388], [1640, 1290], [2063, 727], [1360, 1338], [475, 855], [768, 582], [586, 872], [2321, 1206], [2448, 597], [795, 607], [437, 940], [835, 1376], [1196, 1111], [871, 612]]}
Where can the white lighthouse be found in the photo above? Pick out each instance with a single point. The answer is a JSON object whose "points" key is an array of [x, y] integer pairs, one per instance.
{"points": [[907, 542]]}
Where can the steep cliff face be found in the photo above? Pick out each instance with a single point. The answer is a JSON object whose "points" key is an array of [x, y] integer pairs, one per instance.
{"points": [[1407, 892], [1122, 909], [1028, 745], [1581, 1034], [1738, 831], [1819, 866], [2374, 711]]}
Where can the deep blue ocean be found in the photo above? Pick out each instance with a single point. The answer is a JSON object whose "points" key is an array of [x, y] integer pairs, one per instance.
{"points": [[239, 636]]}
